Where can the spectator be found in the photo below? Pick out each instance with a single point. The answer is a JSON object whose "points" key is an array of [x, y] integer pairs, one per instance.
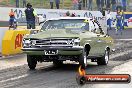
{"points": [[30, 16], [79, 4], [123, 19], [51, 4], [24, 3], [118, 23], [12, 17], [109, 19], [113, 2], [75, 4], [57, 3], [17, 3], [124, 4], [119, 7], [7, 2], [84, 2], [68, 13], [73, 15], [102, 3], [98, 2], [108, 4], [90, 3]]}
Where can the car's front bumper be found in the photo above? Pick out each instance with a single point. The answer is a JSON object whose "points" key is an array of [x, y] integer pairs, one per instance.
{"points": [[61, 50]]}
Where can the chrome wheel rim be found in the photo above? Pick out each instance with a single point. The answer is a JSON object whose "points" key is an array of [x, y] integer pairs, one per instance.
{"points": [[106, 57], [85, 59]]}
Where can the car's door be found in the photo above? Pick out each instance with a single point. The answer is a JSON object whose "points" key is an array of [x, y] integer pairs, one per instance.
{"points": [[103, 40], [100, 41]]}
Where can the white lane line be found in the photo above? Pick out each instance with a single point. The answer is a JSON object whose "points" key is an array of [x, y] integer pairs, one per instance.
{"points": [[15, 78]]}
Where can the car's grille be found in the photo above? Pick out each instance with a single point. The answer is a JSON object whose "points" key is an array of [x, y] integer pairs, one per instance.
{"points": [[54, 42]]}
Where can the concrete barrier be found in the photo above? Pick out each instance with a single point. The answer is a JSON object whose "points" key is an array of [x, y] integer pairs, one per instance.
{"points": [[2, 33], [12, 41]]}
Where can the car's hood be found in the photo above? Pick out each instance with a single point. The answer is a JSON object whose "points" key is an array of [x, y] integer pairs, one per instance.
{"points": [[62, 33]]}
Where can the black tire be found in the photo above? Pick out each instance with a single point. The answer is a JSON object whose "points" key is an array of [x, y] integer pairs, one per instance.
{"points": [[81, 80], [57, 63], [83, 60], [104, 60], [31, 62]]}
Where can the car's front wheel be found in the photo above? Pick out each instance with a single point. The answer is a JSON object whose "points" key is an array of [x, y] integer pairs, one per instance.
{"points": [[83, 60], [105, 59], [31, 62]]}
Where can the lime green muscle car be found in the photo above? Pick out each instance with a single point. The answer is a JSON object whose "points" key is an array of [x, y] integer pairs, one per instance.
{"points": [[68, 38]]}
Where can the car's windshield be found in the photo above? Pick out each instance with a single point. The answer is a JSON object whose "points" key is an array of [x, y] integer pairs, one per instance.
{"points": [[69, 24]]}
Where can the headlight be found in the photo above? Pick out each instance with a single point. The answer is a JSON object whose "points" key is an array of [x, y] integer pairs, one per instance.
{"points": [[76, 42], [26, 43]]}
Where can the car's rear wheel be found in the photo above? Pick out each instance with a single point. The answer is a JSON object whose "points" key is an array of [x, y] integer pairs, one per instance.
{"points": [[105, 59], [83, 59], [57, 63], [31, 62]]}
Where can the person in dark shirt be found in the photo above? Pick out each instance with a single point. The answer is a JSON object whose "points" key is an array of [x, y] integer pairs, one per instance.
{"points": [[124, 4], [51, 4], [119, 7], [102, 3], [24, 3], [108, 4], [98, 2], [90, 3], [79, 4], [57, 4], [17, 3], [30, 16], [113, 2]]}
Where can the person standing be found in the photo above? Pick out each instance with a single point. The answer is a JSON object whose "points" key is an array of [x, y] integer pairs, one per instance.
{"points": [[108, 4], [57, 4], [75, 4], [12, 17], [124, 4], [17, 3], [24, 3], [90, 3], [98, 2], [113, 2], [109, 19], [123, 19], [102, 4], [51, 4], [30, 16], [119, 7], [79, 4], [118, 23]]}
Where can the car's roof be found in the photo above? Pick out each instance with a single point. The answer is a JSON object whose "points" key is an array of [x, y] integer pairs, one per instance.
{"points": [[63, 18]]}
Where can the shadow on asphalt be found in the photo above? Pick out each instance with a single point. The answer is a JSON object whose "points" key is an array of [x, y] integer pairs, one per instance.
{"points": [[64, 68]]}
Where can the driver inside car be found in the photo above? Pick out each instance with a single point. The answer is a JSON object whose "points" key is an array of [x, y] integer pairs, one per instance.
{"points": [[86, 25]]}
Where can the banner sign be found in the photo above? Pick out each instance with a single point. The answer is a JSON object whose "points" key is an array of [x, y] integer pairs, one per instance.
{"points": [[54, 13]]}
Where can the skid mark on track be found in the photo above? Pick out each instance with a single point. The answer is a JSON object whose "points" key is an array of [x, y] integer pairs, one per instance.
{"points": [[14, 78]]}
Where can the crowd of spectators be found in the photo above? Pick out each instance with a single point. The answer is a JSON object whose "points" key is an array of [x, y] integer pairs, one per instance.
{"points": [[83, 4], [108, 4]]}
